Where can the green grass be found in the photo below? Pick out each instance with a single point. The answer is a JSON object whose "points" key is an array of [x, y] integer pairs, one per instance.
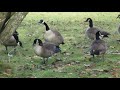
{"points": [[76, 61]]}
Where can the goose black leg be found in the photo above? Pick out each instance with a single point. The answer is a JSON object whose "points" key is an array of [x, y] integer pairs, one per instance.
{"points": [[15, 50], [46, 61], [43, 61], [6, 49], [103, 57]]}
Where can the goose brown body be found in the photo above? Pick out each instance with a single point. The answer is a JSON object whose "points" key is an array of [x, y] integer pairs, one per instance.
{"points": [[52, 36], [98, 46], [46, 49], [13, 41], [91, 31]]}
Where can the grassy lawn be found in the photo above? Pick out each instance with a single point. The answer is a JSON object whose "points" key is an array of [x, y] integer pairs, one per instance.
{"points": [[75, 61]]}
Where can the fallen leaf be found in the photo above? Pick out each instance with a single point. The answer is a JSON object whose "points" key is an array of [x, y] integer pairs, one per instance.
{"points": [[100, 70], [87, 65], [68, 54], [118, 62]]}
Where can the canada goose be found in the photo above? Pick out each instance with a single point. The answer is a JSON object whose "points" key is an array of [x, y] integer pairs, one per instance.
{"points": [[118, 16], [119, 25], [45, 50], [52, 36], [91, 31], [13, 41], [98, 46]]}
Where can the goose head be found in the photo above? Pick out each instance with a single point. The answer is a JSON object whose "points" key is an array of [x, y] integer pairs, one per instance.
{"points": [[41, 21], [38, 42]]}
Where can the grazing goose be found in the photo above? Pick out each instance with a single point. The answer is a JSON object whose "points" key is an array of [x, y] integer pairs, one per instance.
{"points": [[45, 50], [119, 29], [118, 16], [91, 31], [52, 36], [98, 46], [119, 25], [13, 41]]}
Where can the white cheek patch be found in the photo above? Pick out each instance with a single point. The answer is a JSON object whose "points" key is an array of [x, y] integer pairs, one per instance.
{"points": [[101, 36], [18, 43], [43, 22], [37, 42]]}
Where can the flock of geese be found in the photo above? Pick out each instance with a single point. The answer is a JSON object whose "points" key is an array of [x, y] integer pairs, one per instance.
{"points": [[53, 39]]}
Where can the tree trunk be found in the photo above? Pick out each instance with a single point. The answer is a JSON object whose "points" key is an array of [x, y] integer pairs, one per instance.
{"points": [[4, 17], [11, 24]]}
